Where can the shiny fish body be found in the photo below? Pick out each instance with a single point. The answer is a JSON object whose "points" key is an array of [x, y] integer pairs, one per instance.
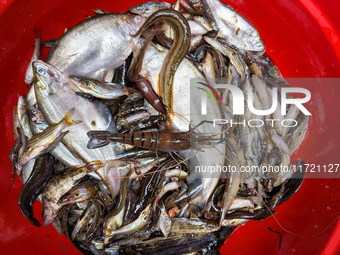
{"points": [[152, 65], [61, 183], [99, 89], [23, 118], [44, 141], [39, 124], [95, 46], [134, 226], [54, 97], [234, 27]]}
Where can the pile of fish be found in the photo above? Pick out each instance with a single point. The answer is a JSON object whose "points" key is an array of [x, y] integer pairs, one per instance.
{"points": [[106, 142]]}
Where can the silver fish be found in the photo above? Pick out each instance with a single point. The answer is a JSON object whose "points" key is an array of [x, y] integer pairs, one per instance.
{"points": [[44, 141], [54, 97], [148, 8], [100, 89], [61, 183], [234, 27], [95, 46]]}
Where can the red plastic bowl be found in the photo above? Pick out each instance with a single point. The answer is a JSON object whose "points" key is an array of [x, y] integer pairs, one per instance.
{"points": [[302, 38]]}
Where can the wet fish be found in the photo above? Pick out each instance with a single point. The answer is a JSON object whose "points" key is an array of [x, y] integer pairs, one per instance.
{"points": [[114, 219], [192, 227], [61, 183], [236, 30], [36, 56], [39, 124], [42, 170], [176, 53], [79, 193], [36, 119], [201, 184], [23, 118], [55, 97], [148, 8], [100, 89], [83, 220], [95, 46], [44, 141], [132, 227], [20, 141]]}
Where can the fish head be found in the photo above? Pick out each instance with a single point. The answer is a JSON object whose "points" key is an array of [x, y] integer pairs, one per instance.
{"points": [[29, 153], [46, 76], [131, 24], [256, 44], [148, 8], [50, 211]]}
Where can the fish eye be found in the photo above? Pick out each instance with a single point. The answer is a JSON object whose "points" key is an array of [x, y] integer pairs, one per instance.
{"points": [[40, 71], [77, 194]]}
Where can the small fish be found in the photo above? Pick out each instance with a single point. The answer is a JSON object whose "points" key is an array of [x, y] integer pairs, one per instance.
{"points": [[36, 119], [43, 142], [113, 220], [192, 226], [99, 89], [148, 8], [100, 11], [79, 193], [176, 173], [20, 140], [236, 30], [23, 118], [168, 187], [132, 227], [83, 220], [61, 183]]}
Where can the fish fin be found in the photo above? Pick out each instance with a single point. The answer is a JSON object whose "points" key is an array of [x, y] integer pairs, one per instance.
{"points": [[37, 33], [68, 117], [49, 43]]}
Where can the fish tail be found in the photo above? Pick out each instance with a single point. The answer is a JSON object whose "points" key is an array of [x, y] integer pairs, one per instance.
{"points": [[68, 117]]}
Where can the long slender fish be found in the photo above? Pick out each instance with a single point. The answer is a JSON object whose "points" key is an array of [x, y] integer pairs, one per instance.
{"points": [[43, 169], [44, 141], [111, 222], [23, 118], [201, 184], [176, 53], [100, 89], [134, 226]]}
